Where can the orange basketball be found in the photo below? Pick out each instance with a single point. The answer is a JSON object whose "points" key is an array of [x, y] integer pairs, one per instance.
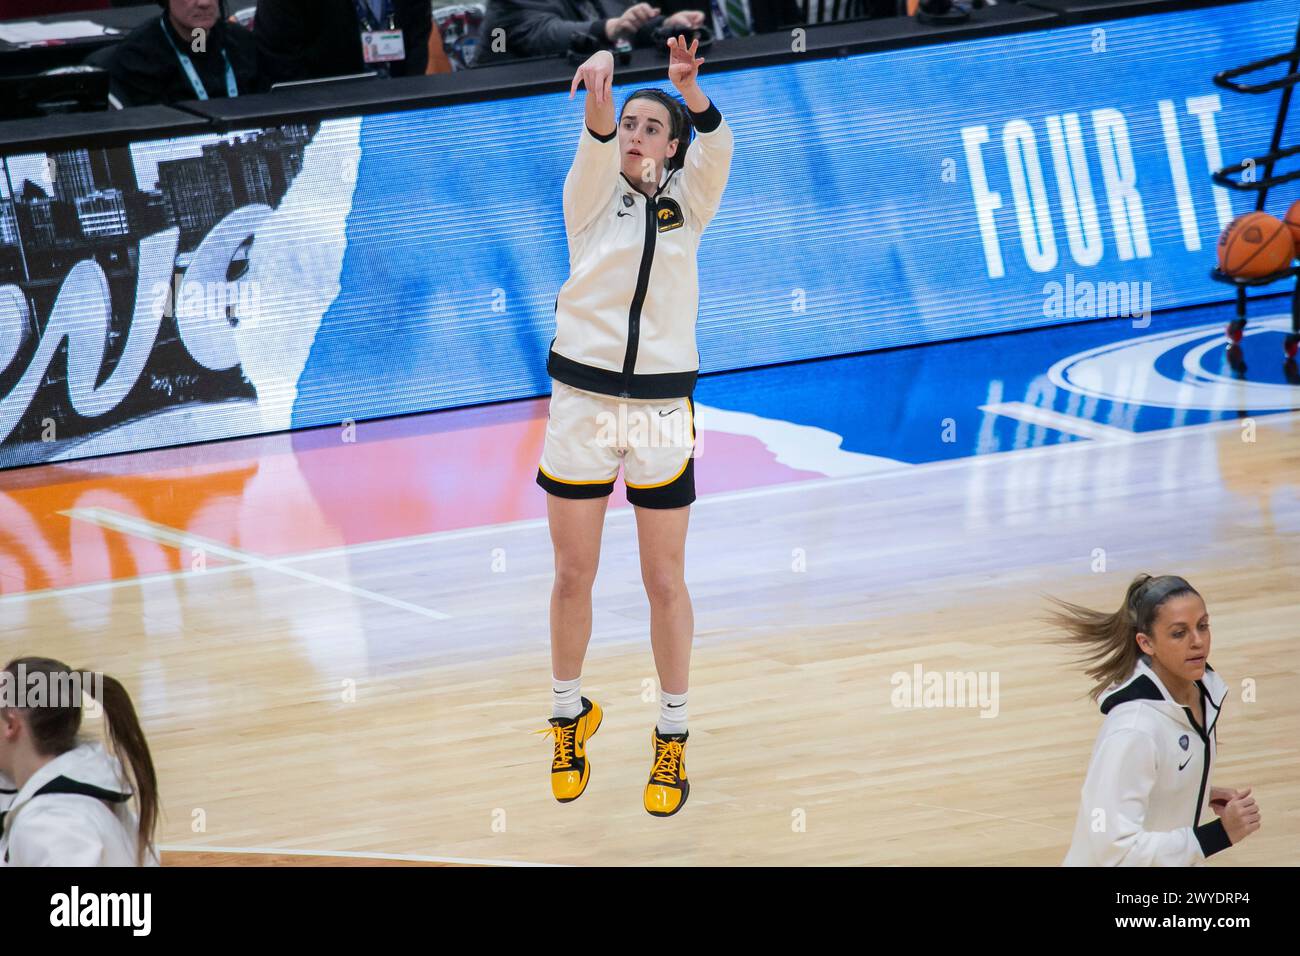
{"points": [[1293, 222], [1255, 245]]}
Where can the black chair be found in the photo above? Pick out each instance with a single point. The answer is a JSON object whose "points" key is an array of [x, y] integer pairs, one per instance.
{"points": [[76, 89], [102, 59]]}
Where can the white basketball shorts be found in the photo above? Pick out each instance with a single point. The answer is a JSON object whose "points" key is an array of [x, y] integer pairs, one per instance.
{"points": [[588, 435]]}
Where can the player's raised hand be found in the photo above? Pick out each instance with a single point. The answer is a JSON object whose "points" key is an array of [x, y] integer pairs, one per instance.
{"points": [[683, 66], [597, 74]]}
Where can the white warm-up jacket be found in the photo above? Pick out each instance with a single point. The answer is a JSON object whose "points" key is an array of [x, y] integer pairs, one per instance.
{"points": [[74, 811], [625, 318], [1148, 782]]}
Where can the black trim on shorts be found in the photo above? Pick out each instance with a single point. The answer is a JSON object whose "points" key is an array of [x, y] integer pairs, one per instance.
{"points": [[609, 382], [678, 493], [563, 489]]}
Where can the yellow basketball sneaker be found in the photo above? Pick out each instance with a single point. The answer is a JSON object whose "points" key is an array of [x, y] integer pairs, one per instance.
{"points": [[570, 769], [668, 788]]}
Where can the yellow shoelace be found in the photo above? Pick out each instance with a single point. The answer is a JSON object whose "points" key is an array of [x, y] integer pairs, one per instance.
{"points": [[563, 744], [668, 755]]}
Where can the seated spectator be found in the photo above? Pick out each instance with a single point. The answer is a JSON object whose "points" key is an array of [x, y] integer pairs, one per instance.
{"points": [[731, 18], [545, 27], [189, 52], [741, 18], [828, 11], [312, 39]]}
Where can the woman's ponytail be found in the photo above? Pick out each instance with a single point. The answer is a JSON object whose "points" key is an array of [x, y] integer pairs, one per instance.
{"points": [[1108, 640], [54, 727], [127, 737]]}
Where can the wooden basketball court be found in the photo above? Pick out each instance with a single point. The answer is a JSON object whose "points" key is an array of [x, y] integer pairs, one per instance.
{"points": [[314, 700]]}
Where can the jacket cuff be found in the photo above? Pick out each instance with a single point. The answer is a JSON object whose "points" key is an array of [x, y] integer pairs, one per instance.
{"points": [[597, 29], [1212, 837], [603, 139], [707, 121]]}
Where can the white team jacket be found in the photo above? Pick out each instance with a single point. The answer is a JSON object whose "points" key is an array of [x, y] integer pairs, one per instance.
{"points": [[74, 811], [1148, 782], [625, 318]]}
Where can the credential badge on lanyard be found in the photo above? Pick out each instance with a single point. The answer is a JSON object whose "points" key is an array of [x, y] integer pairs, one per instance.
{"points": [[191, 74], [380, 46]]}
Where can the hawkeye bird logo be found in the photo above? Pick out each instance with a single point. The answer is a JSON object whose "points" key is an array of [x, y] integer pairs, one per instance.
{"points": [[669, 215]]}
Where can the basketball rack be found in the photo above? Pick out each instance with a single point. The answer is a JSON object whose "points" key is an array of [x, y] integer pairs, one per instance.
{"points": [[1229, 177]]}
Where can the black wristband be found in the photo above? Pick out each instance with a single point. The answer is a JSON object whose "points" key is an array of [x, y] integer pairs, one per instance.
{"points": [[1212, 837], [603, 139], [707, 121]]}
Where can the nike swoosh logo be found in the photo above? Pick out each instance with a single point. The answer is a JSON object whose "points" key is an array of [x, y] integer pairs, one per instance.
{"points": [[622, 213], [665, 415], [676, 705], [1186, 762]]}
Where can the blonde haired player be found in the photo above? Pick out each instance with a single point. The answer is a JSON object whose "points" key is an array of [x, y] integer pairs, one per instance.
{"points": [[1148, 782], [637, 199]]}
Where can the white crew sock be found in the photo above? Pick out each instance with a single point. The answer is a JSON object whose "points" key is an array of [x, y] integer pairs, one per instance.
{"points": [[672, 713], [566, 697]]}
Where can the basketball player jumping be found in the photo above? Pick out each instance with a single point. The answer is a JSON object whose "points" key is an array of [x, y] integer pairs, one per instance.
{"points": [[623, 366]]}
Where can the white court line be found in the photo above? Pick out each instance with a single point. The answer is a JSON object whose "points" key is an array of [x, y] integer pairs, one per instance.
{"points": [[346, 854], [1011, 457], [1070, 424], [74, 589], [505, 527], [162, 534]]}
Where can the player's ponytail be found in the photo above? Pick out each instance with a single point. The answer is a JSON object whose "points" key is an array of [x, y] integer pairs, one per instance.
{"points": [[54, 728], [1108, 640], [680, 126], [127, 737]]}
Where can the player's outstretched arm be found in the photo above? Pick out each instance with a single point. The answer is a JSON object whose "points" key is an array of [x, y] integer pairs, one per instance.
{"points": [[594, 173]]}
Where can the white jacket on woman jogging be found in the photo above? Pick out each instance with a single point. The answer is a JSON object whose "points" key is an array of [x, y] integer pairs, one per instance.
{"points": [[1148, 782], [74, 811], [625, 319]]}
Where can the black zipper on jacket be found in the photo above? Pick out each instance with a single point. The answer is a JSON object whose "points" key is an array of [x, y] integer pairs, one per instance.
{"points": [[1205, 740], [642, 284]]}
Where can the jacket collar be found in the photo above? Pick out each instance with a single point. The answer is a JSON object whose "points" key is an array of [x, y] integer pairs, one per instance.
{"points": [[1145, 685], [85, 769], [665, 178]]}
